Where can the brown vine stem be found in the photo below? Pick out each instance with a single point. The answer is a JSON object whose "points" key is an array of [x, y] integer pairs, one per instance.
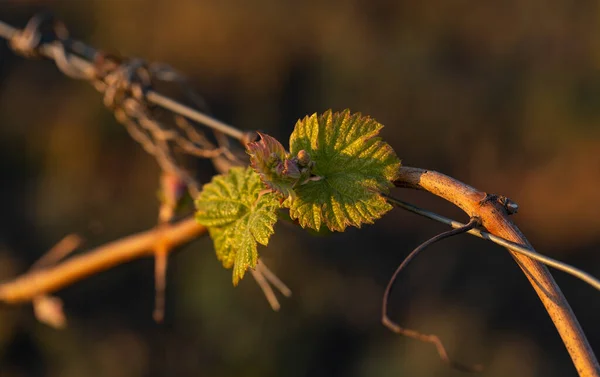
{"points": [[37, 282], [495, 219]]}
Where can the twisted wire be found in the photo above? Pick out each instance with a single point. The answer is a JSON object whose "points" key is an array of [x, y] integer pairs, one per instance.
{"points": [[127, 85]]}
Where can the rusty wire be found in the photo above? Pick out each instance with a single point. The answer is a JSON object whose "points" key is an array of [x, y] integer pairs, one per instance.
{"points": [[127, 87], [81, 58]]}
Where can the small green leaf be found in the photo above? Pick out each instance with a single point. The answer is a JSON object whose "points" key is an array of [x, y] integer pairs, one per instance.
{"points": [[352, 166], [238, 214]]}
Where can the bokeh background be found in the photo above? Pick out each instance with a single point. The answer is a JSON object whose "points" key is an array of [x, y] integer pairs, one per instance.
{"points": [[502, 95]]}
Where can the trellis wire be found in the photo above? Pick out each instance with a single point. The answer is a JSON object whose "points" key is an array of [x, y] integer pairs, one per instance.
{"points": [[49, 50], [584, 276]]}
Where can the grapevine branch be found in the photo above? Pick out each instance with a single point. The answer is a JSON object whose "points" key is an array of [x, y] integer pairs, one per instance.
{"points": [[494, 218], [50, 279], [128, 92]]}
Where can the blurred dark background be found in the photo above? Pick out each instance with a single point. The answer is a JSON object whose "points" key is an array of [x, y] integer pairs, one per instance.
{"points": [[502, 95]]}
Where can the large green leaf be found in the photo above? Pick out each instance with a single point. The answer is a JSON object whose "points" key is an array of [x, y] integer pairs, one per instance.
{"points": [[352, 167], [238, 214]]}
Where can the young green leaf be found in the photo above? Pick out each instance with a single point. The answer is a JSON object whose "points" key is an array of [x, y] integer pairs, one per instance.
{"points": [[270, 160], [238, 215], [352, 166]]}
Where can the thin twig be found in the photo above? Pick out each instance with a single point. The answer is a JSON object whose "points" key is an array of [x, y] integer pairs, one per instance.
{"points": [[49, 309], [172, 189], [34, 283], [273, 279], [266, 280], [385, 319], [161, 261], [59, 251], [266, 289]]}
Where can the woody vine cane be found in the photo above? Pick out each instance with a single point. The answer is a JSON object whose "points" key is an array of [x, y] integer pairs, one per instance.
{"points": [[295, 187]]}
